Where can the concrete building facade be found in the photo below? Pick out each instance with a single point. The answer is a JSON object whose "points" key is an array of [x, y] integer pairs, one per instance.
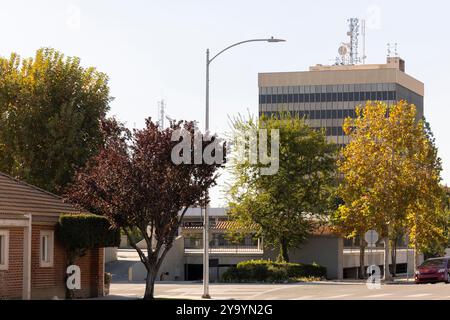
{"points": [[326, 95]]}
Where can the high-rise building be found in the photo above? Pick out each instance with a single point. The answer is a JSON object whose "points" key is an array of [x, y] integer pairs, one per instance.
{"points": [[326, 95]]}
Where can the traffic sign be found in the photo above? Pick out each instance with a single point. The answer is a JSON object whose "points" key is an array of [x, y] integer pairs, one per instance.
{"points": [[371, 238]]}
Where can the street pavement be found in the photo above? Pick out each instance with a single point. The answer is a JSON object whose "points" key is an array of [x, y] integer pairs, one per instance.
{"points": [[321, 290]]}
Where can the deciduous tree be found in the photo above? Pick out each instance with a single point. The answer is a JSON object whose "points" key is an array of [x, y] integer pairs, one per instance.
{"points": [[285, 207], [135, 184], [391, 175], [50, 112]]}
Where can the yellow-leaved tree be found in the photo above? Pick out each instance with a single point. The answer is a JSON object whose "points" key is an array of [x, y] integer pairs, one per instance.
{"points": [[390, 177]]}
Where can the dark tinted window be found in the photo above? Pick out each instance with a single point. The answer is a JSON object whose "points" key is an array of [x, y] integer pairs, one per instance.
{"points": [[262, 98], [379, 95], [311, 97], [333, 114], [391, 95], [433, 263]]}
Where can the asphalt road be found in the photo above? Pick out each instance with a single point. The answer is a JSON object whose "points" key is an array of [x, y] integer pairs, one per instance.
{"points": [[325, 290]]}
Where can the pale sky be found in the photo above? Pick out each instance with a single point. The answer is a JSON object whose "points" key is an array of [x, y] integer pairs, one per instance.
{"points": [[155, 50]]}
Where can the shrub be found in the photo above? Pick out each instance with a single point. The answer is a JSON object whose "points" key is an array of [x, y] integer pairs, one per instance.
{"points": [[269, 271], [86, 231]]}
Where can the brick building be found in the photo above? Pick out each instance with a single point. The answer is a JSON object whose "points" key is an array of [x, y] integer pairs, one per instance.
{"points": [[32, 262]]}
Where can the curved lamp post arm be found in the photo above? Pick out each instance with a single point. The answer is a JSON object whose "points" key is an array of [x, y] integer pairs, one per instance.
{"points": [[272, 39]]}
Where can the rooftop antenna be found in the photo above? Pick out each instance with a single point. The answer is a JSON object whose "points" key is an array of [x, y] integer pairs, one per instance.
{"points": [[388, 50], [395, 50], [353, 33], [161, 112], [348, 51], [363, 33]]}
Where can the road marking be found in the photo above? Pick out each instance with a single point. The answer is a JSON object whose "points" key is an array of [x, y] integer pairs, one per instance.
{"points": [[379, 295], [418, 295], [339, 296], [303, 298], [267, 291]]}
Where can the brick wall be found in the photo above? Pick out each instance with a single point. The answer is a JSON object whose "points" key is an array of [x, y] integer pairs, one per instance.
{"points": [[48, 282], [11, 280]]}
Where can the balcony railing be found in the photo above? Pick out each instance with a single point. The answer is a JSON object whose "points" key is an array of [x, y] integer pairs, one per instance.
{"points": [[191, 246]]}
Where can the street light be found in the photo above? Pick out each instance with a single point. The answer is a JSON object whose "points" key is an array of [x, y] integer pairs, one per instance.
{"points": [[206, 217]]}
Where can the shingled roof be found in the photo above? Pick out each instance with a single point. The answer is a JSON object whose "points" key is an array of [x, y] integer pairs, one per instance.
{"points": [[18, 197]]}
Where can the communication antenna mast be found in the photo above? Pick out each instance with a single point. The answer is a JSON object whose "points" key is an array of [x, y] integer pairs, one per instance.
{"points": [[161, 112], [353, 33], [348, 51], [363, 33], [395, 50], [388, 50]]}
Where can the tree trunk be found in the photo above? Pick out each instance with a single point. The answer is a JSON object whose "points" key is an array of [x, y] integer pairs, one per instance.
{"points": [[283, 255], [387, 274], [416, 257], [394, 258], [150, 283], [362, 250]]}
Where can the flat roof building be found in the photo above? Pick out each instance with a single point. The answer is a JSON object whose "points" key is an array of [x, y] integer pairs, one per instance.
{"points": [[326, 95]]}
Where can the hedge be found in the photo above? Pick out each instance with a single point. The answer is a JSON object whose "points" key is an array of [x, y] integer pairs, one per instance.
{"points": [[270, 271], [86, 231]]}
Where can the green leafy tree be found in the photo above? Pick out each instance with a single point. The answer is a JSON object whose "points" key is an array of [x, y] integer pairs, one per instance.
{"points": [[50, 112], [284, 207]]}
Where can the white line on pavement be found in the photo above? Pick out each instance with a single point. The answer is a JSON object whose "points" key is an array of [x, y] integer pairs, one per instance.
{"points": [[379, 295], [303, 298], [339, 296], [418, 295]]}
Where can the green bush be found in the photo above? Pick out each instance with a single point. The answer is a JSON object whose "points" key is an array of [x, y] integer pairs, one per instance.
{"points": [[269, 271], [86, 231]]}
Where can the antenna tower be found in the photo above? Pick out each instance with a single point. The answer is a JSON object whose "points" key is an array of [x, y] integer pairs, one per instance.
{"points": [[161, 113], [348, 51]]}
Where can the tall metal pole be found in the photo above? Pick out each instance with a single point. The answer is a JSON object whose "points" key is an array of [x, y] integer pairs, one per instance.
{"points": [[206, 217]]}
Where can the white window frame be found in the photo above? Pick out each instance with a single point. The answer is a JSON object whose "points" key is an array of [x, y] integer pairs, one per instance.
{"points": [[4, 260], [46, 255]]}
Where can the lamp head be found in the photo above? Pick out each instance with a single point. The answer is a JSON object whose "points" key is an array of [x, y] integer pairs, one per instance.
{"points": [[272, 39]]}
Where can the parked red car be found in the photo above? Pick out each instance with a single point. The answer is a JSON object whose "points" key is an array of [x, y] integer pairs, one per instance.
{"points": [[433, 270]]}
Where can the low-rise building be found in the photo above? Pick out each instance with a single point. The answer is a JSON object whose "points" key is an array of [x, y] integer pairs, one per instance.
{"points": [[32, 261], [184, 261]]}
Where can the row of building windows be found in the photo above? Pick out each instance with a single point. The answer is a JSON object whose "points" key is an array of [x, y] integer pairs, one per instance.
{"points": [[320, 114], [327, 97], [331, 131]]}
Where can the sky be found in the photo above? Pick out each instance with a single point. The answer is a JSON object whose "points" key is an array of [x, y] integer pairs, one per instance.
{"points": [[153, 50]]}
